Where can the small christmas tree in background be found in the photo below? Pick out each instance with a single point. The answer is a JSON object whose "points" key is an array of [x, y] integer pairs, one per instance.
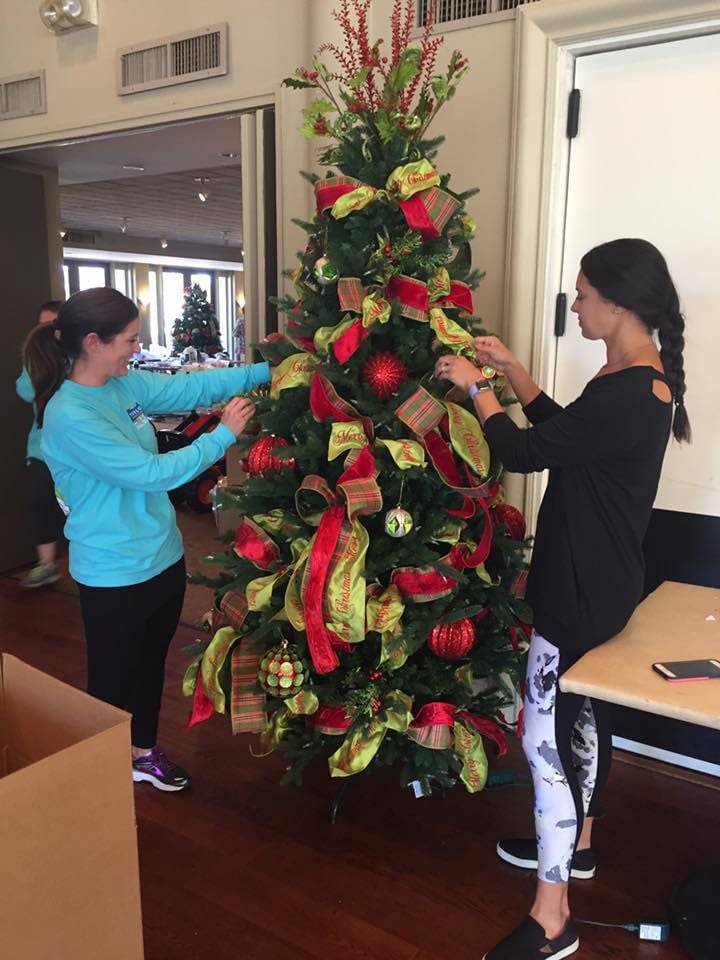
{"points": [[198, 326], [370, 607]]}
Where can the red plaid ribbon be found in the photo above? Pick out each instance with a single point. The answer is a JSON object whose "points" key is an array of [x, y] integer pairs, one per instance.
{"points": [[247, 703], [235, 607], [429, 212], [351, 294], [327, 404]]}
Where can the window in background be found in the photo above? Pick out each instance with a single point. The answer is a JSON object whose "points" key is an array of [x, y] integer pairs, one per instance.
{"points": [[173, 299], [157, 338], [124, 279], [204, 281], [92, 275], [83, 275], [225, 310]]}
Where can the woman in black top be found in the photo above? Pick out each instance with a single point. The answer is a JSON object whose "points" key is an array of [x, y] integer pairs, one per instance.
{"points": [[604, 452]]}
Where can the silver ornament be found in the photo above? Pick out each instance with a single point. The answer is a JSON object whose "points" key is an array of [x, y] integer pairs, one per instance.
{"points": [[398, 522]]}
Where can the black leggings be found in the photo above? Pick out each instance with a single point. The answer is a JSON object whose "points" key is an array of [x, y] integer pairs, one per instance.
{"points": [[128, 631]]}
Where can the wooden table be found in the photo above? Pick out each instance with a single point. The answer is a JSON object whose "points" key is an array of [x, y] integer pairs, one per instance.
{"points": [[676, 622]]}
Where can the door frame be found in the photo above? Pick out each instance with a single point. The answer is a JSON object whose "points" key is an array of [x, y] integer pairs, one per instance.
{"points": [[549, 38]]}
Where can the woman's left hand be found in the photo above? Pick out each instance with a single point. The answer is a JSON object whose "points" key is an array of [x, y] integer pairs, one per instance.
{"points": [[457, 370]]}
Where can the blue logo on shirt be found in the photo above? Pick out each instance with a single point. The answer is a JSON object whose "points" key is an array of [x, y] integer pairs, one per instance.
{"points": [[137, 415]]}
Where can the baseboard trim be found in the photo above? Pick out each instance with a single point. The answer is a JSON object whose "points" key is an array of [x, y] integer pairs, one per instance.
{"points": [[667, 756]]}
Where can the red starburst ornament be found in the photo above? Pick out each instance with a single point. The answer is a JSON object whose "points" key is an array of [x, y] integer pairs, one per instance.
{"points": [[508, 516], [260, 459], [452, 641], [384, 373]]}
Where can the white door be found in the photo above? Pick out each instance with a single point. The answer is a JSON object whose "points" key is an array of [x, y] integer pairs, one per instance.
{"points": [[646, 163]]}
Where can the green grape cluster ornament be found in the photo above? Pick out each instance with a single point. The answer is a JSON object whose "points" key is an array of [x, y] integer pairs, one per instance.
{"points": [[282, 671]]}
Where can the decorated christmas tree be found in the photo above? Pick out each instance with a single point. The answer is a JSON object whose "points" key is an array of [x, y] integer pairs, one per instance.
{"points": [[369, 609], [198, 326]]}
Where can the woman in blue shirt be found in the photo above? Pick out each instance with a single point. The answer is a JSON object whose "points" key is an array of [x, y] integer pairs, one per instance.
{"points": [[126, 551]]}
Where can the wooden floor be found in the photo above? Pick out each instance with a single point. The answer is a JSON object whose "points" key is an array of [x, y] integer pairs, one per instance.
{"points": [[241, 867]]}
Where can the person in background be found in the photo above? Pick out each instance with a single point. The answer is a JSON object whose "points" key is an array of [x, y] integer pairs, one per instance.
{"points": [[604, 452], [126, 552], [46, 517]]}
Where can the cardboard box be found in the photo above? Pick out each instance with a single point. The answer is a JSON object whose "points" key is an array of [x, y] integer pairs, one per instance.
{"points": [[69, 883]]}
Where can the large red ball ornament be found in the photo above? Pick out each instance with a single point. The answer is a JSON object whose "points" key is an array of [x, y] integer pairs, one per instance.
{"points": [[452, 641], [508, 516], [260, 459], [384, 373]]}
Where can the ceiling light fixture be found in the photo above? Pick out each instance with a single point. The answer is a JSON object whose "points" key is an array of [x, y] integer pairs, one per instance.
{"points": [[123, 225], [226, 237], [164, 243], [203, 194], [134, 166], [230, 155], [62, 232]]}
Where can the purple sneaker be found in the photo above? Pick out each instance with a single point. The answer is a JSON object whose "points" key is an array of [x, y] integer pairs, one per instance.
{"points": [[160, 772]]}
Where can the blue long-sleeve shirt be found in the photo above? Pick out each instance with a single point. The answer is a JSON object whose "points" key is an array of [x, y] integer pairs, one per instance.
{"points": [[109, 477], [24, 389]]}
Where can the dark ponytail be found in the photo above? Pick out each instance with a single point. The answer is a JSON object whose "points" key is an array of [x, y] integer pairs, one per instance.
{"points": [[634, 275], [51, 348]]}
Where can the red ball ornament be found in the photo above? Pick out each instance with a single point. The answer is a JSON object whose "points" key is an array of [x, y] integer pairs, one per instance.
{"points": [[384, 373], [452, 641], [260, 459], [506, 515]]}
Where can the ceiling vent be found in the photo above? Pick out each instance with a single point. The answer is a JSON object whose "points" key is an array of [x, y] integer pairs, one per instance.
{"points": [[447, 11], [80, 238], [22, 95], [194, 55]]}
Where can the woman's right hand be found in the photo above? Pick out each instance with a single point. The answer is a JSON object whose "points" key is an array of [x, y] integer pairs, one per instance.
{"points": [[493, 352], [237, 413]]}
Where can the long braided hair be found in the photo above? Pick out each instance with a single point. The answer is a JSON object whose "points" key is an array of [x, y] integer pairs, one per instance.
{"points": [[633, 274]]}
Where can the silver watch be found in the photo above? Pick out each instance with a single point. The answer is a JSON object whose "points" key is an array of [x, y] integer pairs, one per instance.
{"points": [[480, 386]]}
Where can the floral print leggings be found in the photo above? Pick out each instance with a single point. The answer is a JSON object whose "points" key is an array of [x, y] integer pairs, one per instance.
{"points": [[567, 742]]}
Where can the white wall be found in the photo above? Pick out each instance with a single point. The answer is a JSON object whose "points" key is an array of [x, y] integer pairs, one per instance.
{"points": [[477, 129]]}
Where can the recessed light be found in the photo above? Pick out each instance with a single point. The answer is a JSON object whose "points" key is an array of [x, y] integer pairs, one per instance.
{"points": [[203, 196], [164, 243], [231, 155], [134, 166]]}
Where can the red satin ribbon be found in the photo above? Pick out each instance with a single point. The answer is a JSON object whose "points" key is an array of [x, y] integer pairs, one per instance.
{"points": [[319, 637], [348, 342], [445, 714], [331, 717], [203, 707], [460, 296], [418, 218], [418, 583], [460, 556], [411, 293], [326, 196]]}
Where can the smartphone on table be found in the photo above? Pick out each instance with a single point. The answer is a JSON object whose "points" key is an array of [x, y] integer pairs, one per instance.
{"points": [[679, 671]]}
